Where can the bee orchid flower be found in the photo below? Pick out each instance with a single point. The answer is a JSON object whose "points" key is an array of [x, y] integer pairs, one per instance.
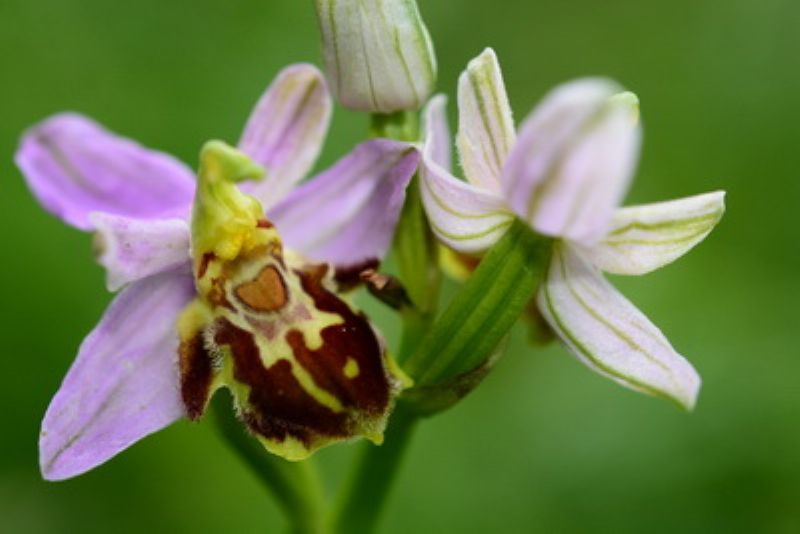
{"points": [[565, 174], [225, 281]]}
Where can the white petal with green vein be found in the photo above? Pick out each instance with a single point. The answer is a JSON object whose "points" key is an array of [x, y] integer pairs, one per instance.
{"points": [[437, 131], [609, 334], [465, 217], [486, 127], [378, 54], [644, 238]]}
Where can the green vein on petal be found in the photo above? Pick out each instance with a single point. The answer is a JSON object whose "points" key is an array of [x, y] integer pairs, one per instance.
{"points": [[592, 357], [702, 221], [591, 311], [476, 235], [442, 204]]}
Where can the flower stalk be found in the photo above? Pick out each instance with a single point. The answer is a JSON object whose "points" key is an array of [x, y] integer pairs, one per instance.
{"points": [[417, 263], [414, 245], [375, 470], [296, 486]]}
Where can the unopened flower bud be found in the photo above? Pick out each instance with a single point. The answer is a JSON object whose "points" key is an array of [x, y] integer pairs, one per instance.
{"points": [[378, 54]]}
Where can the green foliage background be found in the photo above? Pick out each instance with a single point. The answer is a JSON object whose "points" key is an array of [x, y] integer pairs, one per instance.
{"points": [[544, 445]]}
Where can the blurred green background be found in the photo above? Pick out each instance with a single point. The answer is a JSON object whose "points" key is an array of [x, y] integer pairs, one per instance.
{"points": [[544, 445]]}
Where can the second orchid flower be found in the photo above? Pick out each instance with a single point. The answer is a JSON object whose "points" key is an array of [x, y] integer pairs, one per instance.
{"points": [[565, 175]]}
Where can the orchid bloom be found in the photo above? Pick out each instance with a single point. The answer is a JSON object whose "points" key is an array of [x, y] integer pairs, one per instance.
{"points": [[210, 296], [564, 176]]}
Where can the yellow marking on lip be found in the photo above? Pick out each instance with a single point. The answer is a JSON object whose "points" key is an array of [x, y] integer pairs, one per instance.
{"points": [[351, 369], [320, 395]]}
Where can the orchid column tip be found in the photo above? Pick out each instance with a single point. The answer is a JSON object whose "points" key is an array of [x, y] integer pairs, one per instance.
{"points": [[226, 163]]}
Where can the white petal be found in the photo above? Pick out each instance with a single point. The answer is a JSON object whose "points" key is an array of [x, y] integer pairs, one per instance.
{"points": [[644, 238], [609, 334], [132, 249], [464, 217], [574, 159], [438, 131], [485, 126]]}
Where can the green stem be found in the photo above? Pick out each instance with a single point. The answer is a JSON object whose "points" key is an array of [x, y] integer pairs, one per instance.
{"points": [[415, 324], [376, 468], [414, 246], [295, 485], [400, 125], [417, 264]]}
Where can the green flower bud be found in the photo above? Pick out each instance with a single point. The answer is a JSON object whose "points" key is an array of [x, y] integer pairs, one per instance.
{"points": [[378, 54]]}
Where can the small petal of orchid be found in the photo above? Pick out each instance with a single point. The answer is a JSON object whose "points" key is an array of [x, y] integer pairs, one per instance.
{"points": [[465, 217], [606, 332], [347, 214], [75, 167], [286, 130], [574, 160], [438, 132], [132, 249], [486, 127], [123, 384], [644, 238]]}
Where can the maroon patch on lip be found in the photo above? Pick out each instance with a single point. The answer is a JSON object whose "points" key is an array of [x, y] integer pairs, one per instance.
{"points": [[368, 391], [196, 375], [277, 406], [264, 223], [349, 277]]}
